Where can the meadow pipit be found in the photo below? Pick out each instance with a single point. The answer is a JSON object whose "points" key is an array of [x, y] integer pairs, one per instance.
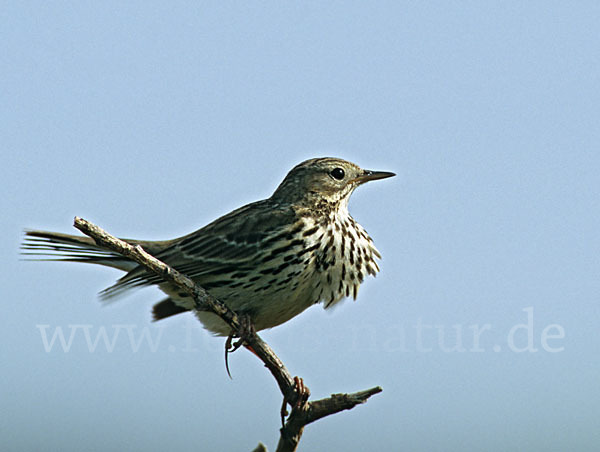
{"points": [[268, 260]]}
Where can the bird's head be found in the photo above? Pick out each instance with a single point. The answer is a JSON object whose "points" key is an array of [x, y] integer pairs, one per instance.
{"points": [[324, 179]]}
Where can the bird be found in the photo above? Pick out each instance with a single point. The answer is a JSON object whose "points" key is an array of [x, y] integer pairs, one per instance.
{"points": [[268, 260]]}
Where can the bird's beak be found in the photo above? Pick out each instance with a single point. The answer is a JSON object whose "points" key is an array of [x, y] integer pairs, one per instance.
{"points": [[368, 175]]}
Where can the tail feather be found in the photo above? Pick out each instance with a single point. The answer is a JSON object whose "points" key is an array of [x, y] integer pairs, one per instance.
{"points": [[55, 246], [70, 248]]}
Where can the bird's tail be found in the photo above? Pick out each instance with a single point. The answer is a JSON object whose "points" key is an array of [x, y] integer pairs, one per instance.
{"points": [[55, 246]]}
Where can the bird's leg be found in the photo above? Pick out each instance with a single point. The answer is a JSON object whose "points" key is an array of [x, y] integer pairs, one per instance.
{"points": [[302, 395], [246, 329]]}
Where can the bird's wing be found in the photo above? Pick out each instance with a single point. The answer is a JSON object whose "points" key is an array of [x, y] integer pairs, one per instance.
{"points": [[232, 243]]}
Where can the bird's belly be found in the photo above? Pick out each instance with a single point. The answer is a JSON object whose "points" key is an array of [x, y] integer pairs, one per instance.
{"points": [[266, 310]]}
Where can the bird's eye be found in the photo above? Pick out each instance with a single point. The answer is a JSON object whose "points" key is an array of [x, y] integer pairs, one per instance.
{"points": [[337, 173]]}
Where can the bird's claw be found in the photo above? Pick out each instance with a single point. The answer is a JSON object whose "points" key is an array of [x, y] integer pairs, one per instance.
{"points": [[302, 395]]}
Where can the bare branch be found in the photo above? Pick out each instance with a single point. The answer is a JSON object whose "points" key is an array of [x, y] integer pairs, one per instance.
{"points": [[313, 411], [338, 402]]}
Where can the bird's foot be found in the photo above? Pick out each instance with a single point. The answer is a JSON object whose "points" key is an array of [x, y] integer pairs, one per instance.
{"points": [[246, 329], [302, 395]]}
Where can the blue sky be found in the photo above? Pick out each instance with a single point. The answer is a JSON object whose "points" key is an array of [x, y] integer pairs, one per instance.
{"points": [[152, 119]]}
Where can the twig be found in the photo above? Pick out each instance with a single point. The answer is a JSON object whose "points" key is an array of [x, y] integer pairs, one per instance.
{"points": [[303, 412], [313, 411]]}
